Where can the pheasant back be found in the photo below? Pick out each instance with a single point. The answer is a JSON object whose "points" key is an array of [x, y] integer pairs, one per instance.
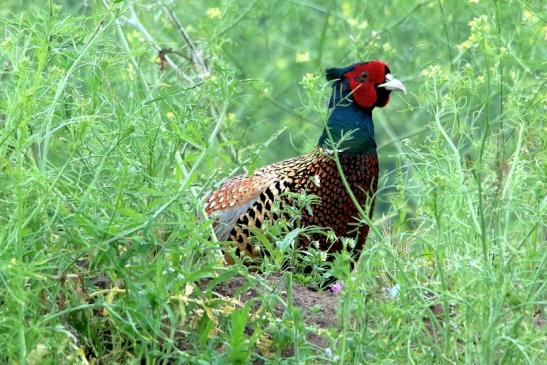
{"points": [[244, 202]]}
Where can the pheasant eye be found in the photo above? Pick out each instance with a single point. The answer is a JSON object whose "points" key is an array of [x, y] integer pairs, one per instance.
{"points": [[364, 75]]}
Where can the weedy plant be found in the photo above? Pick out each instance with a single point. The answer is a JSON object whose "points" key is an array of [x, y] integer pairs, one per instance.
{"points": [[117, 117]]}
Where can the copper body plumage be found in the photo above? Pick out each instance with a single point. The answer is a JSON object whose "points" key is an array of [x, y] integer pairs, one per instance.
{"points": [[317, 174], [244, 202]]}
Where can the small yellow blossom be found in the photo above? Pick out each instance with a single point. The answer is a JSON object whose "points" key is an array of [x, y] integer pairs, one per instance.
{"points": [[308, 77], [527, 16], [323, 256], [431, 71], [340, 42], [467, 44], [213, 13], [281, 63], [6, 43], [346, 9], [479, 26], [474, 1], [513, 75], [363, 25], [352, 21], [302, 57], [170, 115], [130, 71], [308, 80], [355, 23], [135, 36], [477, 21]]}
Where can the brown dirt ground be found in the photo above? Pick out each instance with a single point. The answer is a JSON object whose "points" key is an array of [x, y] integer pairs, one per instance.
{"points": [[324, 303]]}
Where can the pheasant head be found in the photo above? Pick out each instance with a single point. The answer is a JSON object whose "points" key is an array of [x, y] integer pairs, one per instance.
{"points": [[357, 89], [369, 83]]}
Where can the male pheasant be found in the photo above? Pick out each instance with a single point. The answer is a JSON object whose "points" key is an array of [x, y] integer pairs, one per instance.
{"points": [[246, 201]]}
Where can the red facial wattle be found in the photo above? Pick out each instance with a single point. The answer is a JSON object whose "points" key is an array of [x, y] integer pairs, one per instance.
{"points": [[363, 92], [363, 80]]}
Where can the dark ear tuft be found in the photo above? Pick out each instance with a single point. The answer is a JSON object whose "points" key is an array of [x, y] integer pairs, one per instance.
{"points": [[334, 73]]}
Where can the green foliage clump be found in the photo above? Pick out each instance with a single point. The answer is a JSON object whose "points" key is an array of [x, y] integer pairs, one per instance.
{"points": [[108, 147]]}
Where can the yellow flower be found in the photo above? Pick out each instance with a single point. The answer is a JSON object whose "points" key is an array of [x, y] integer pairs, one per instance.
{"points": [[281, 63], [130, 71], [323, 256], [135, 36], [7, 43], [170, 115], [474, 1], [431, 71], [466, 44], [346, 9], [513, 75], [308, 80], [213, 13], [355, 23], [302, 57], [478, 21], [352, 21], [363, 25], [527, 16], [308, 77]]}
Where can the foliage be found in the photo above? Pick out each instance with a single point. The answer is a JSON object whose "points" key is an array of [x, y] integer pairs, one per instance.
{"points": [[107, 150]]}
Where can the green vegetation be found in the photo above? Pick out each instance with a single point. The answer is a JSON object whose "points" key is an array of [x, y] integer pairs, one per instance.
{"points": [[107, 151]]}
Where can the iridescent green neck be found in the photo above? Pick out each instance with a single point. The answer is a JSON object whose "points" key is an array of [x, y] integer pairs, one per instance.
{"points": [[346, 116]]}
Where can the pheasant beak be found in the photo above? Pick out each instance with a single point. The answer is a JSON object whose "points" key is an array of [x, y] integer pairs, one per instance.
{"points": [[393, 84]]}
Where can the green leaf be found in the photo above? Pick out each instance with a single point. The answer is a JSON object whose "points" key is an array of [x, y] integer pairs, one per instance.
{"points": [[239, 342], [288, 240]]}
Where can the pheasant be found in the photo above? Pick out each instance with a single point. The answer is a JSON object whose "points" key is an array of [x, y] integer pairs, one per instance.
{"points": [[244, 201]]}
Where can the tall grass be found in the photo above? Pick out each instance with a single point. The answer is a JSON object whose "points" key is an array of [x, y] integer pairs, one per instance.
{"points": [[105, 159]]}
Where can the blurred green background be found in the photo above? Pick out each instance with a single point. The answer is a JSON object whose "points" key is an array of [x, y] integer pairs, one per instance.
{"points": [[107, 151], [272, 45]]}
